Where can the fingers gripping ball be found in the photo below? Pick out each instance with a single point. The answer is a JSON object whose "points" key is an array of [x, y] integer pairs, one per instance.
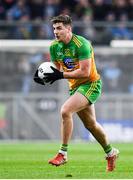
{"points": [[45, 67]]}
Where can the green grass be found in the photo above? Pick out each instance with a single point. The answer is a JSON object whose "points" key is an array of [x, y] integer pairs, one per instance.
{"points": [[86, 161]]}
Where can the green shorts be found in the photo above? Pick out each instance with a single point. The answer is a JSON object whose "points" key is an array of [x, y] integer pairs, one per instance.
{"points": [[91, 91]]}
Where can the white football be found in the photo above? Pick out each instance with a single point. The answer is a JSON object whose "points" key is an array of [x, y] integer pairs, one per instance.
{"points": [[45, 68]]}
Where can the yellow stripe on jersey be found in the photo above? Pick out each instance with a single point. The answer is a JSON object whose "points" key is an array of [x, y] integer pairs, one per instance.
{"points": [[93, 85], [77, 42]]}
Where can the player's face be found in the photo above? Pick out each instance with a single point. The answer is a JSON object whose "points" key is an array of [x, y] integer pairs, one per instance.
{"points": [[61, 31]]}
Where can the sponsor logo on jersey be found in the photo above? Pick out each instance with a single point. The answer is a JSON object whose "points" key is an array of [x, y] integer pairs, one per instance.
{"points": [[68, 62]]}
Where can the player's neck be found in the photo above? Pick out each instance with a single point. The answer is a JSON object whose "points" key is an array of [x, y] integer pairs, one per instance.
{"points": [[68, 38]]}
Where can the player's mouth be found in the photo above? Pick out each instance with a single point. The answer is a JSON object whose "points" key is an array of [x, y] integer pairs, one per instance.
{"points": [[57, 37]]}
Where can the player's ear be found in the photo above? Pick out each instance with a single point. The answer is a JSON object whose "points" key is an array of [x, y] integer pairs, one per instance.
{"points": [[69, 28]]}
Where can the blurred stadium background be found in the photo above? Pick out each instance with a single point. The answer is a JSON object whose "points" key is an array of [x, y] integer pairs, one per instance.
{"points": [[31, 112]]}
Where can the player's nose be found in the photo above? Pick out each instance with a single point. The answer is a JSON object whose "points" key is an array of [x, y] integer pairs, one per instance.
{"points": [[55, 31]]}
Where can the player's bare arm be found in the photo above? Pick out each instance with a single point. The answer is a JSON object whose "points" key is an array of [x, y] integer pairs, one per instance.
{"points": [[82, 72]]}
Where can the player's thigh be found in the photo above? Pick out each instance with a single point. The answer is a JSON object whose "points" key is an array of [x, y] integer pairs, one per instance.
{"points": [[88, 115], [75, 103]]}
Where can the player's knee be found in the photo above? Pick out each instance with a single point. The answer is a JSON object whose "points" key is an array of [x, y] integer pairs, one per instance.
{"points": [[65, 112]]}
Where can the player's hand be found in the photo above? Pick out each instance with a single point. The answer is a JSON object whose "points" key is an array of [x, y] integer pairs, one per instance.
{"points": [[37, 79], [52, 77]]}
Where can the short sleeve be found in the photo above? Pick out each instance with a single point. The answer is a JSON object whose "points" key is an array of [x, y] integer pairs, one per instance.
{"points": [[85, 51]]}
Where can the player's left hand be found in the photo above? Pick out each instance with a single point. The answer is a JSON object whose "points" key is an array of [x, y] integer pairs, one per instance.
{"points": [[52, 77]]}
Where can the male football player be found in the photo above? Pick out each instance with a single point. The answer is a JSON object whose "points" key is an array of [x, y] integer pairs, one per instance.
{"points": [[75, 56]]}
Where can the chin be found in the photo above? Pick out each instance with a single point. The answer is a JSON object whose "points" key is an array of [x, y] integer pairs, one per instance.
{"points": [[57, 38]]}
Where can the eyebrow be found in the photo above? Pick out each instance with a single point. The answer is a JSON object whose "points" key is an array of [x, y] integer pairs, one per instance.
{"points": [[57, 26]]}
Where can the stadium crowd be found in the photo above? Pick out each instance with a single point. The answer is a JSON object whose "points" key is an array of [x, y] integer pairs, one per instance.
{"points": [[82, 11], [43, 9]]}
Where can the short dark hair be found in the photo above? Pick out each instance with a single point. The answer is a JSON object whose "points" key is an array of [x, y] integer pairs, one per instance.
{"points": [[65, 19]]}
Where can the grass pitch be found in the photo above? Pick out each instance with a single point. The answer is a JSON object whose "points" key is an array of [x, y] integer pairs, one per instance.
{"points": [[86, 161]]}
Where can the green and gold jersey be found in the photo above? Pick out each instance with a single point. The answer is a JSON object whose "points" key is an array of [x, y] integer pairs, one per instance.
{"points": [[69, 55]]}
